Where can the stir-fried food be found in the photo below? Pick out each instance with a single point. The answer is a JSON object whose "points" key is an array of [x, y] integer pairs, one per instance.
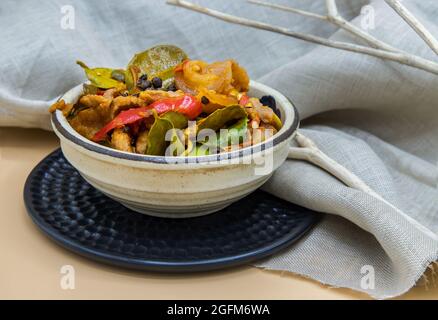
{"points": [[164, 103]]}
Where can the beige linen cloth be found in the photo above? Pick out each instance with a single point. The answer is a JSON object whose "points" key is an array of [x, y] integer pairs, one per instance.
{"points": [[378, 119]]}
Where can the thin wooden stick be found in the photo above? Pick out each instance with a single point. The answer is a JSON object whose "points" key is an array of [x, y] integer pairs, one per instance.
{"points": [[338, 20], [403, 58], [308, 151], [334, 18], [332, 8], [289, 9], [415, 24]]}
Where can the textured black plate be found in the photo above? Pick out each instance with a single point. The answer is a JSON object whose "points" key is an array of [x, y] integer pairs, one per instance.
{"points": [[82, 219]]}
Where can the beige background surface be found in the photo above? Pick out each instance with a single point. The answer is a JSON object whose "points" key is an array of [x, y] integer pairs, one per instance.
{"points": [[30, 263]]}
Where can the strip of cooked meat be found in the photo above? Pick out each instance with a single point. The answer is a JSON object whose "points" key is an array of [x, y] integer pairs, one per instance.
{"points": [[61, 105], [94, 116], [150, 96], [121, 140], [142, 142], [121, 103], [110, 93]]}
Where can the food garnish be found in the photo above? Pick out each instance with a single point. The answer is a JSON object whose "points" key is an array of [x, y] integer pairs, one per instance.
{"points": [[162, 99]]}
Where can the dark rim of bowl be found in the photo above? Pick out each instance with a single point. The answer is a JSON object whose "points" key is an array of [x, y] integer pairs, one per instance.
{"points": [[278, 138]]}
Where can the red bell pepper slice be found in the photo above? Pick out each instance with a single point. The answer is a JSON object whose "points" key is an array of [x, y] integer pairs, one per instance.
{"points": [[187, 105], [123, 118]]}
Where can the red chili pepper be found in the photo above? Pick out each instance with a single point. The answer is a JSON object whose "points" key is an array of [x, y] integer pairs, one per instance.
{"points": [[244, 100], [187, 105], [123, 118]]}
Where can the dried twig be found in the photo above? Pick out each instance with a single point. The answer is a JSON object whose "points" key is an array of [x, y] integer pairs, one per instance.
{"points": [[418, 27], [308, 151], [400, 57], [334, 18], [290, 9], [332, 8]]}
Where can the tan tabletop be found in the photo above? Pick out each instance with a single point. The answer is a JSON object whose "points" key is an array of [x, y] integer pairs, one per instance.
{"points": [[31, 263]]}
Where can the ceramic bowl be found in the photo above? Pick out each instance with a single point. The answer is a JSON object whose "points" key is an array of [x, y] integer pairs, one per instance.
{"points": [[185, 186]]}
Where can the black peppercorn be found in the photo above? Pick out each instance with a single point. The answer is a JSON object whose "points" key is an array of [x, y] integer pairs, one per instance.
{"points": [[205, 100], [144, 84], [269, 101], [157, 82]]}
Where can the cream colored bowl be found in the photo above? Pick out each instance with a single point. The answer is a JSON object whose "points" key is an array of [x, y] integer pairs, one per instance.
{"points": [[152, 185]]}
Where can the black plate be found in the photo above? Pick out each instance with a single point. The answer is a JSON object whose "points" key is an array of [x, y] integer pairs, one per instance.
{"points": [[82, 219]]}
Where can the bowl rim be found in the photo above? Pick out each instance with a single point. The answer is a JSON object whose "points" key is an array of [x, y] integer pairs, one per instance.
{"points": [[62, 127]]}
